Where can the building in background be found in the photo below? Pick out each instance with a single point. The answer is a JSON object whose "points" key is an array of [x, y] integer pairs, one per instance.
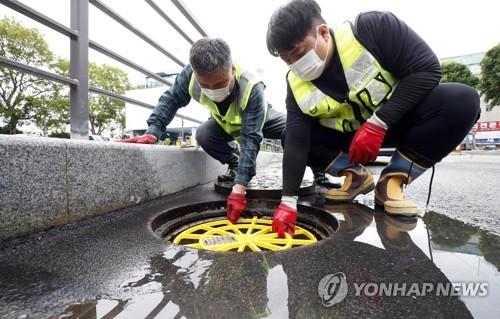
{"points": [[486, 133], [136, 116]]}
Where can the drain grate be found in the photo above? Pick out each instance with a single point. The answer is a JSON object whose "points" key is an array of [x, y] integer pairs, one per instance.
{"points": [[249, 234], [205, 226]]}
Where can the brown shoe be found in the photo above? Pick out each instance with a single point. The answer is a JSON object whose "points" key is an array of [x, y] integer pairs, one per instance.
{"points": [[357, 181], [389, 193]]}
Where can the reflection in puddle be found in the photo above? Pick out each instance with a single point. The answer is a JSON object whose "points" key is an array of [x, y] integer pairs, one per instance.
{"points": [[462, 252], [141, 306], [149, 297], [277, 293], [189, 263], [187, 283], [467, 254]]}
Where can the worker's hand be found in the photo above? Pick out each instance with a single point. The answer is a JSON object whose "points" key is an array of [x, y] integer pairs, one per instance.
{"points": [[236, 203], [366, 143], [284, 219], [143, 139]]}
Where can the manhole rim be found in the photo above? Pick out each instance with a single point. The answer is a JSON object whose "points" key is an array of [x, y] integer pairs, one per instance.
{"points": [[308, 189], [306, 219]]}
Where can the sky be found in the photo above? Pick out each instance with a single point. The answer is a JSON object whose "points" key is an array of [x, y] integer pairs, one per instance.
{"points": [[451, 28]]}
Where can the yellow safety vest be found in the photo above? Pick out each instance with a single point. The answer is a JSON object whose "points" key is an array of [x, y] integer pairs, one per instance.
{"points": [[231, 121], [369, 85]]}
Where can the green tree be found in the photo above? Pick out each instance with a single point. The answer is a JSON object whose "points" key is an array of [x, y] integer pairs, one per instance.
{"points": [[27, 99], [458, 72], [490, 76], [21, 95], [104, 112], [52, 111]]}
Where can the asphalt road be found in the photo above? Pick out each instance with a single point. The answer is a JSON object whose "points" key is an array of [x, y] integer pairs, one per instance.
{"points": [[465, 187]]}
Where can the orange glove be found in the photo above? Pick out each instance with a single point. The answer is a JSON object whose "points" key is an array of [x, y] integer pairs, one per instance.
{"points": [[143, 139]]}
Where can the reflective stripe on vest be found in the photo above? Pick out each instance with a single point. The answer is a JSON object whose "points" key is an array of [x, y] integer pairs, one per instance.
{"points": [[231, 121], [369, 85]]}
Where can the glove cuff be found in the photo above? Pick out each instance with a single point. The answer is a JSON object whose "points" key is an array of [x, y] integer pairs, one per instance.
{"points": [[236, 192], [290, 201], [375, 120], [237, 195]]}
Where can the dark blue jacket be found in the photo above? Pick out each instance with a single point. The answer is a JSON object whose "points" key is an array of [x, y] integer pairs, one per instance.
{"points": [[253, 117]]}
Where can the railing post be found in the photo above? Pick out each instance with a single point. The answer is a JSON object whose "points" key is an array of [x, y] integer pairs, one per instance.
{"points": [[79, 68]]}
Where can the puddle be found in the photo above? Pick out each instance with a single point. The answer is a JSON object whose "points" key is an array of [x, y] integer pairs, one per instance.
{"points": [[368, 247], [467, 254]]}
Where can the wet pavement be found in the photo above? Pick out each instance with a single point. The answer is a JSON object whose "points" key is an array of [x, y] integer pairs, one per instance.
{"points": [[115, 267], [268, 184], [465, 187]]}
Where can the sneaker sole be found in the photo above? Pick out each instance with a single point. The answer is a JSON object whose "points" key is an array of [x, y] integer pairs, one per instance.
{"points": [[403, 211], [365, 189]]}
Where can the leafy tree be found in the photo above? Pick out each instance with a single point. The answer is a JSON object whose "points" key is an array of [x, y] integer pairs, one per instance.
{"points": [[59, 134], [104, 112], [21, 95], [28, 99], [458, 72], [6, 130], [52, 111], [490, 76]]}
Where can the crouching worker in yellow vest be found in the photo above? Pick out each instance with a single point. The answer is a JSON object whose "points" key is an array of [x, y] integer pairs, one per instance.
{"points": [[238, 110], [354, 87]]}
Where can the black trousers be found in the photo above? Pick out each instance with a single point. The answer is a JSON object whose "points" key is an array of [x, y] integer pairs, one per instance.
{"points": [[429, 132], [214, 140]]}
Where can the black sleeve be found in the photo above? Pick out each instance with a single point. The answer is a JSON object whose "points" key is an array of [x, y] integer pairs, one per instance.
{"points": [[402, 52], [297, 144]]}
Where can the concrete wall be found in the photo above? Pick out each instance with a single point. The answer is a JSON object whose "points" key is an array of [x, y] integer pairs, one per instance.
{"points": [[48, 182]]}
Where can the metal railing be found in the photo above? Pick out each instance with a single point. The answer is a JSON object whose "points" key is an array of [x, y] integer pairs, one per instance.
{"points": [[78, 33]]}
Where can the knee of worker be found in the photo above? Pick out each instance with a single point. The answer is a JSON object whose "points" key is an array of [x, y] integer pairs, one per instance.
{"points": [[202, 136], [462, 103]]}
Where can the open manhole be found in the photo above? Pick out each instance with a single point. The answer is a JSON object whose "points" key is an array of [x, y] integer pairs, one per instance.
{"points": [[205, 226], [266, 186]]}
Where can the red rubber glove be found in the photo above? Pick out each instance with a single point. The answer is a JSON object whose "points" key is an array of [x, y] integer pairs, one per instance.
{"points": [[284, 219], [143, 139], [366, 143], [236, 203]]}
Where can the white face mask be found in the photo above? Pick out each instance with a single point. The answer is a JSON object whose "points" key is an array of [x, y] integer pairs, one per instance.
{"points": [[217, 95], [310, 66]]}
